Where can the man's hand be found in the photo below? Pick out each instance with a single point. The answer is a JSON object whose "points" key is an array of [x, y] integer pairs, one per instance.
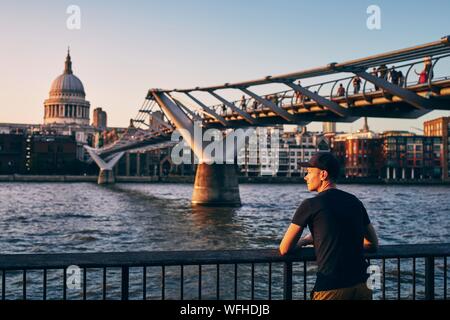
{"points": [[369, 246], [305, 241]]}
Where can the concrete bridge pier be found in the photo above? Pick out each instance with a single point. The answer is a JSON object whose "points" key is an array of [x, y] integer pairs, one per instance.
{"points": [[216, 185], [106, 176]]}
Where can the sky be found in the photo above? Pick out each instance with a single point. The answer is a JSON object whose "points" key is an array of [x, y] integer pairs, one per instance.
{"points": [[124, 48]]}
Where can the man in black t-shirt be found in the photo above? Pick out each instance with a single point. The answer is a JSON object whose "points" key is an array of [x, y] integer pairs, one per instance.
{"points": [[340, 230]]}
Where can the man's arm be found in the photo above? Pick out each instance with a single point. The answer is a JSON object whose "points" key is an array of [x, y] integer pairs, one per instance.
{"points": [[290, 239], [370, 238]]}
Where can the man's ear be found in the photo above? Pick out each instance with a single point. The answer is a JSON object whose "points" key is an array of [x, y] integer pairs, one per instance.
{"points": [[323, 175]]}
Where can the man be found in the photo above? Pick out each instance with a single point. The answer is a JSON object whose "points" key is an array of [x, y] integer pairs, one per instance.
{"points": [[243, 104], [341, 90], [394, 76], [340, 230], [383, 71]]}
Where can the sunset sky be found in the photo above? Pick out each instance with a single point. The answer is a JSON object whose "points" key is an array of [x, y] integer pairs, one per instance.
{"points": [[124, 48]]}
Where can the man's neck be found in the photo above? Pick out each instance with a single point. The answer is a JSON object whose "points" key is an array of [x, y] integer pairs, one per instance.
{"points": [[326, 186]]}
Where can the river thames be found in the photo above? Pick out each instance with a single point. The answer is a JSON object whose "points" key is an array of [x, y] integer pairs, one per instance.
{"points": [[85, 217]]}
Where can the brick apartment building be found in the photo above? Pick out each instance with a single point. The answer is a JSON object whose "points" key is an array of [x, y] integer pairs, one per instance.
{"points": [[440, 127]]}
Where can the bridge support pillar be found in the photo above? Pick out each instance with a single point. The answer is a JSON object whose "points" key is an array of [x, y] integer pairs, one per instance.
{"points": [[216, 185], [138, 164], [106, 177]]}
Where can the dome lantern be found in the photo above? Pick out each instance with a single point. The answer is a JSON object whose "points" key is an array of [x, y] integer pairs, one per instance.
{"points": [[68, 65]]}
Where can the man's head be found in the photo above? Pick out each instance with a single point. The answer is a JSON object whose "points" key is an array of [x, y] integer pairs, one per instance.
{"points": [[322, 170]]}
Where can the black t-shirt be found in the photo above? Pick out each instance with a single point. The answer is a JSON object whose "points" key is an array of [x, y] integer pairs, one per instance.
{"points": [[337, 221]]}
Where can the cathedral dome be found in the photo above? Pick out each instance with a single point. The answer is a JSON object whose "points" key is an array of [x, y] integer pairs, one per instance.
{"points": [[66, 103], [67, 82]]}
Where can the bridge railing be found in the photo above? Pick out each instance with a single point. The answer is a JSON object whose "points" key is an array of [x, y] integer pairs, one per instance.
{"points": [[396, 272]]}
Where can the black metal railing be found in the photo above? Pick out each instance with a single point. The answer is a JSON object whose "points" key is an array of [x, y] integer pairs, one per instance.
{"points": [[405, 272]]}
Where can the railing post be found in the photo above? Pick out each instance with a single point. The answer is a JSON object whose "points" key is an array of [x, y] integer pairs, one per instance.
{"points": [[125, 282], [429, 278], [287, 281]]}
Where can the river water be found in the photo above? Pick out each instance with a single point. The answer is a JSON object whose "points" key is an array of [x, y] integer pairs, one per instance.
{"points": [[85, 217]]}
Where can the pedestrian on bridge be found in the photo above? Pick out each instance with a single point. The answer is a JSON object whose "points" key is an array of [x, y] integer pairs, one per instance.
{"points": [[375, 74], [341, 90], [383, 71], [425, 73], [298, 95], [243, 104], [340, 231], [356, 81], [394, 75]]}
